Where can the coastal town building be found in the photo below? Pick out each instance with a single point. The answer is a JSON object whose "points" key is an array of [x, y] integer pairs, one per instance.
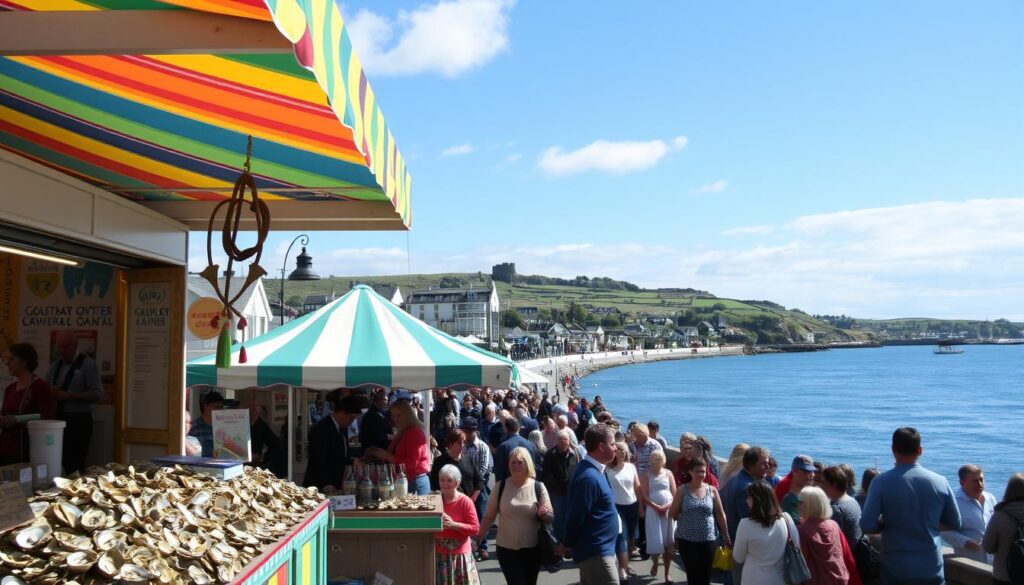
{"points": [[458, 311]]}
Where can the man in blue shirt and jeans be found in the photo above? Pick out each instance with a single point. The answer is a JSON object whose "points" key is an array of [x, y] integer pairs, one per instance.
{"points": [[909, 505]]}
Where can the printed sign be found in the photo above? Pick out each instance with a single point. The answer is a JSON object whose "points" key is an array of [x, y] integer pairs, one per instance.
{"points": [[203, 317], [149, 337], [14, 508], [342, 502], [232, 437]]}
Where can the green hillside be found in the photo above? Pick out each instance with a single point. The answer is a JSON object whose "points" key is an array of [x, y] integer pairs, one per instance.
{"points": [[763, 321]]}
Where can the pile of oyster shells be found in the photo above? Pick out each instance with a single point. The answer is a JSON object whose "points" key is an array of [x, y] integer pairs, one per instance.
{"points": [[147, 524]]}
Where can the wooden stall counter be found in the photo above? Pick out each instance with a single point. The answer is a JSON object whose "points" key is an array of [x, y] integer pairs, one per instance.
{"points": [[396, 543]]}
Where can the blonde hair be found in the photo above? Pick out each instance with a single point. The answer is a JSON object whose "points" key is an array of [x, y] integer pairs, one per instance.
{"points": [[816, 504], [641, 428], [537, 438], [735, 462], [522, 453], [659, 457], [409, 416]]}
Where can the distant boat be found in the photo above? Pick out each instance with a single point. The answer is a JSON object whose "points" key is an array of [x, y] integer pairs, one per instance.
{"points": [[948, 349]]}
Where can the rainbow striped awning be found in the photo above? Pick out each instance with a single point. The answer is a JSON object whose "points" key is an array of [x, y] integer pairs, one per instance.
{"points": [[170, 130]]}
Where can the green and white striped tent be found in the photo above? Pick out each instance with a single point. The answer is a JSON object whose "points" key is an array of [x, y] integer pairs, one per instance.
{"points": [[360, 338]]}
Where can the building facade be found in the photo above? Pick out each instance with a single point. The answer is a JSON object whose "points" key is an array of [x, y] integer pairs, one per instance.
{"points": [[458, 311]]}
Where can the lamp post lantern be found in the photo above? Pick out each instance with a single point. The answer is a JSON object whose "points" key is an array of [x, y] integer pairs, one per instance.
{"points": [[303, 267]]}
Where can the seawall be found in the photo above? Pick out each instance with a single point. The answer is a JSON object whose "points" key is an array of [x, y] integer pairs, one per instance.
{"points": [[556, 368]]}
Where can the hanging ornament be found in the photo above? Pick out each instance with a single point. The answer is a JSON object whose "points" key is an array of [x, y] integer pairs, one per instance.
{"points": [[243, 195]]}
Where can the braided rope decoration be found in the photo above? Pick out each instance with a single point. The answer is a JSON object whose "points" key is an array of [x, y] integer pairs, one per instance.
{"points": [[245, 186]]}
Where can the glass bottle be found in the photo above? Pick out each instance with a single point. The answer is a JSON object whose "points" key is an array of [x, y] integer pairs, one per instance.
{"points": [[401, 483], [364, 497], [383, 490], [349, 486]]}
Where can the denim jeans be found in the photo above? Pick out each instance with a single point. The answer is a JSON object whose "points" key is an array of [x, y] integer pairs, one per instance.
{"points": [[481, 506], [420, 485]]}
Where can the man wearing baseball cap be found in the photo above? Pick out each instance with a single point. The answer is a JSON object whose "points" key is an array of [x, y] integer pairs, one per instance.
{"points": [[479, 453], [803, 476]]}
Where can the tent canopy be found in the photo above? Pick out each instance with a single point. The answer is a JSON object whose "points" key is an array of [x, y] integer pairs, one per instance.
{"points": [[153, 100], [360, 338]]}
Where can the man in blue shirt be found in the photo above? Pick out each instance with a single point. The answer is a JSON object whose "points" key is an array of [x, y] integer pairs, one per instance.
{"points": [[202, 425], [591, 524], [734, 496], [977, 507], [909, 505]]}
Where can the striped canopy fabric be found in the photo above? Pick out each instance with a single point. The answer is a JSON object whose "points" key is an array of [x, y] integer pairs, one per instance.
{"points": [[360, 338], [173, 128]]}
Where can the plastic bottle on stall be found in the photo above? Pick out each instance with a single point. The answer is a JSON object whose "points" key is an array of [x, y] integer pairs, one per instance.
{"points": [[349, 485], [401, 483]]}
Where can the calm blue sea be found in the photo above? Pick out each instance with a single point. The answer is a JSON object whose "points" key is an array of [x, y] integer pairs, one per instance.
{"points": [[838, 406]]}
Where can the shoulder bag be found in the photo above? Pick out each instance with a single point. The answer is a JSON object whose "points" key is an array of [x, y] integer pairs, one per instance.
{"points": [[794, 566], [545, 539]]}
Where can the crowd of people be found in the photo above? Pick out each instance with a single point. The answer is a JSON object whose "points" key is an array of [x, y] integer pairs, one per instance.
{"points": [[604, 492], [570, 480]]}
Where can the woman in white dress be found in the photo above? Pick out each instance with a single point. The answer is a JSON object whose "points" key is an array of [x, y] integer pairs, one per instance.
{"points": [[761, 537], [658, 488]]}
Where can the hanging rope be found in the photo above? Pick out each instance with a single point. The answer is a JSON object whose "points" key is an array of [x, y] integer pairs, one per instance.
{"points": [[244, 195]]}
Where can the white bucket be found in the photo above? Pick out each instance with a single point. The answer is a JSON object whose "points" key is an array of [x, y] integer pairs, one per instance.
{"points": [[46, 444]]}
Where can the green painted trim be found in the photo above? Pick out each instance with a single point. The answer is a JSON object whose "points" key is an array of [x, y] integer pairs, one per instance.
{"points": [[386, 523]]}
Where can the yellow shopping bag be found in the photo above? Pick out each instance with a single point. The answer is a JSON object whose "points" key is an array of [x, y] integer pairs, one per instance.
{"points": [[722, 559]]}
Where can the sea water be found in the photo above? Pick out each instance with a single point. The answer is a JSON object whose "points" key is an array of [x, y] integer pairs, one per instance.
{"points": [[838, 406]]}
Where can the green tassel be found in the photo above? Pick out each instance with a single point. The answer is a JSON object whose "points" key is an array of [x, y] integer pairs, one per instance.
{"points": [[224, 348]]}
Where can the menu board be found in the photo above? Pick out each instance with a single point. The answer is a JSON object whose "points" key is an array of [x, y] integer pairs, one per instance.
{"points": [[149, 339]]}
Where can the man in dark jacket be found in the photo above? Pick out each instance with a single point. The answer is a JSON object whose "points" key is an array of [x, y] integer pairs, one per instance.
{"points": [[374, 427], [559, 466], [328, 445], [513, 440]]}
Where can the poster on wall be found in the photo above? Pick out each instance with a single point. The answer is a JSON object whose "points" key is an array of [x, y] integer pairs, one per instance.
{"points": [[40, 299], [149, 339]]}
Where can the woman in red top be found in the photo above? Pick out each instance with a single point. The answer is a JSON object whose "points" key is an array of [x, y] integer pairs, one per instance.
{"points": [[409, 447], [28, 394], [690, 449], [455, 564], [822, 542]]}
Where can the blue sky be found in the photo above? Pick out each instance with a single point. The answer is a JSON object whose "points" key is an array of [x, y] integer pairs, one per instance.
{"points": [[862, 158]]}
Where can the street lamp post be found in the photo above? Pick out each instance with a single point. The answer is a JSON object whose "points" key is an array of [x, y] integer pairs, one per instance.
{"points": [[284, 266]]}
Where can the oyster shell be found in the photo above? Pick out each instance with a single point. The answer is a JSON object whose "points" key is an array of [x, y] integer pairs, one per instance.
{"points": [[67, 513], [80, 561], [110, 562], [33, 536], [92, 519], [132, 573]]}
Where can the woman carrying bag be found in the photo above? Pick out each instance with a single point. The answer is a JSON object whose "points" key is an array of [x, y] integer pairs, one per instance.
{"points": [[697, 507], [762, 538], [525, 509]]}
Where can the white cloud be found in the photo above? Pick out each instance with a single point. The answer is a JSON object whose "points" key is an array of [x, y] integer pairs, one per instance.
{"points": [[450, 37], [749, 230], [715, 187], [606, 156], [512, 158], [459, 150]]}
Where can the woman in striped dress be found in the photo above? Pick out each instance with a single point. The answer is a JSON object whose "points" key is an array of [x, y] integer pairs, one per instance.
{"points": [[697, 507]]}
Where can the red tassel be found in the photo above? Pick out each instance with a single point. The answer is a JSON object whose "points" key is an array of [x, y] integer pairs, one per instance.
{"points": [[242, 323], [242, 358]]}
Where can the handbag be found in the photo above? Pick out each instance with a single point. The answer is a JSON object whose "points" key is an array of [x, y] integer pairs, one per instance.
{"points": [[868, 559], [794, 566], [545, 538], [722, 559]]}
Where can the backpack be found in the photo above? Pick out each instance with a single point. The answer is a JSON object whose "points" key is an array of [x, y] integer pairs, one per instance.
{"points": [[1015, 557]]}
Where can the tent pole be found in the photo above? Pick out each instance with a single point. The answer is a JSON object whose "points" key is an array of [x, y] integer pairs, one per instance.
{"points": [[427, 398], [291, 432]]}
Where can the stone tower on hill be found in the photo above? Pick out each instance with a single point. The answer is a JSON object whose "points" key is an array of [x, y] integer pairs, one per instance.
{"points": [[504, 272]]}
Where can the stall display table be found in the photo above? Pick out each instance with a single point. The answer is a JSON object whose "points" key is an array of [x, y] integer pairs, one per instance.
{"points": [[397, 544], [297, 559]]}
